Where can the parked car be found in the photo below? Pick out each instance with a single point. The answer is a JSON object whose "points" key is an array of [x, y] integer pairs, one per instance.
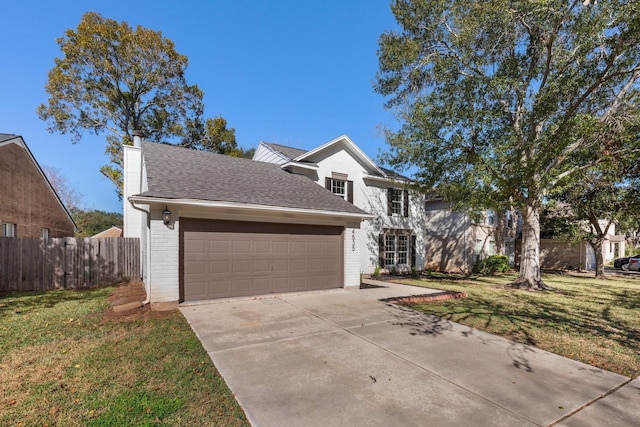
{"points": [[634, 264], [623, 263]]}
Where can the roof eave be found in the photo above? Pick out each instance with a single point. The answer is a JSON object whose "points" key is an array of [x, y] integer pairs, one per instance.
{"points": [[249, 207]]}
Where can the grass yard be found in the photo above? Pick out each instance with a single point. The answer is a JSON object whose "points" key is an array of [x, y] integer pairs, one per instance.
{"points": [[65, 362], [592, 321]]}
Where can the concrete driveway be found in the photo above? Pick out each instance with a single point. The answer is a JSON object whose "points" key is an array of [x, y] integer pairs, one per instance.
{"points": [[345, 358]]}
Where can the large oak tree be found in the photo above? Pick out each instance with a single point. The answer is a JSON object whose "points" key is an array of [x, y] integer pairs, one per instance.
{"points": [[501, 101], [116, 79]]}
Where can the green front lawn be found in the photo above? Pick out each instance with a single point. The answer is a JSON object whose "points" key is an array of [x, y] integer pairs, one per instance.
{"points": [[592, 321], [62, 363]]}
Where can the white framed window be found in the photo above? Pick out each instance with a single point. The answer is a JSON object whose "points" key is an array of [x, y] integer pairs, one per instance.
{"points": [[492, 247], [390, 249], [396, 201], [478, 247], [339, 187], [509, 219], [397, 248], [491, 217], [8, 229], [403, 249], [44, 233]]}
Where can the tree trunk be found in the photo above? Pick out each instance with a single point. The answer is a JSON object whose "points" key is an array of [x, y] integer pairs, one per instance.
{"points": [[529, 277], [596, 245]]}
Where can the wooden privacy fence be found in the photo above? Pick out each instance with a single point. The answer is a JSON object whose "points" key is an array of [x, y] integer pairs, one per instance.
{"points": [[33, 264]]}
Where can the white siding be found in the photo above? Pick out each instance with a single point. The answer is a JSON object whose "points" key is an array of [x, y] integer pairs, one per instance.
{"points": [[266, 154], [371, 196]]}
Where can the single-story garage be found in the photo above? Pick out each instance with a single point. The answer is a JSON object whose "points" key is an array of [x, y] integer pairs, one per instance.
{"points": [[215, 226]]}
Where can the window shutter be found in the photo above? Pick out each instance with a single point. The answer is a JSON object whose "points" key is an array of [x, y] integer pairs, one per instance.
{"points": [[389, 199], [327, 183], [381, 250], [413, 251], [350, 191], [406, 203]]}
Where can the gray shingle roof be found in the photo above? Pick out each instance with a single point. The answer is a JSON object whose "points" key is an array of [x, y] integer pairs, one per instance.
{"points": [[7, 136], [180, 173], [290, 152]]}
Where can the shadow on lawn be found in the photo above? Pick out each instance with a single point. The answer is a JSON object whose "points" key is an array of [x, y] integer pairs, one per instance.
{"points": [[26, 302], [583, 309]]}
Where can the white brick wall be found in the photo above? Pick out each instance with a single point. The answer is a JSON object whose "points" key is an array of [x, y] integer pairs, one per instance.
{"points": [[352, 246], [133, 218], [164, 276]]}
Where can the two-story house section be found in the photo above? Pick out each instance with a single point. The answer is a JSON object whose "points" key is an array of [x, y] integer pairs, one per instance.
{"points": [[395, 238], [455, 241]]}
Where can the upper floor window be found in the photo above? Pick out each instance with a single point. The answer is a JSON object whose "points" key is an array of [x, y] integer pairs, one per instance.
{"points": [[491, 217], [509, 219], [340, 186], [397, 202], [44, 233], [8, 229]]}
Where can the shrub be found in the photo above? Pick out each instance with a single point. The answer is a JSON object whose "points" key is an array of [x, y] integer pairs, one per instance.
{"points": [[376, 272], [492, 264], [394, 271]]}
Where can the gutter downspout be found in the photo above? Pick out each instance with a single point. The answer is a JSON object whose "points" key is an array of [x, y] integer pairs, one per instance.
{"points": [[137, 142], [147, 251]]}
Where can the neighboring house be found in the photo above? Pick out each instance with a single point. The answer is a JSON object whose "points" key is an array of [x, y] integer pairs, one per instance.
{"points": [[394, 237], [455, 242], [215, 226], [113, 231], [558, 254], [29, 205]]}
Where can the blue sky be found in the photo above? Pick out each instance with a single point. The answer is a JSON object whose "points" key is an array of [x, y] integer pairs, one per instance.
{"points": [[292, 72]]}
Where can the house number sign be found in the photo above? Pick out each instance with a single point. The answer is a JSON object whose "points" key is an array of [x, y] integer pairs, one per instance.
{"points": [[353, 240]]}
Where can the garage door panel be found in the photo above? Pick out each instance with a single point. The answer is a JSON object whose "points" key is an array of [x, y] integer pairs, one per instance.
{"points": [[196, 267], [281, 266], [241, 266], [280, 247], [262, 247], [219, 267], [219, 246], [227, 258], [262, 266]]}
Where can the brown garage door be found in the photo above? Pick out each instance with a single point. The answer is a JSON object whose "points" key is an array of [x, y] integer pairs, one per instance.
{"points": [[232, 258]]}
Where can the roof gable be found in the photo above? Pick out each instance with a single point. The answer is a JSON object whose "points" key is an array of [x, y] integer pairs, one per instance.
{"points": [[180, 173], [6, 139], [349, 146]]}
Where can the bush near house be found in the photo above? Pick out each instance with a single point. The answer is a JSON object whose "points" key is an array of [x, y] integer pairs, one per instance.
{"points": [[492, 264]]}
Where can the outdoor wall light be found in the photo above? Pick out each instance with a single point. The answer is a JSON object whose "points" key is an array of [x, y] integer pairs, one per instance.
{"points": [[166, 216]]}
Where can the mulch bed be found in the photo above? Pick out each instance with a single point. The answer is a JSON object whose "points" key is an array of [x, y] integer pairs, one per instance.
{"points": [[437, 296], [132, 292]]}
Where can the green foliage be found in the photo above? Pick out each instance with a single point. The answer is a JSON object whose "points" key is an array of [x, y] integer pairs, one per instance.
{"points": [[212, 135], [376, 271], [394, 271], [492, 264], [117, 79], [94, 221], [501, 102]]}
